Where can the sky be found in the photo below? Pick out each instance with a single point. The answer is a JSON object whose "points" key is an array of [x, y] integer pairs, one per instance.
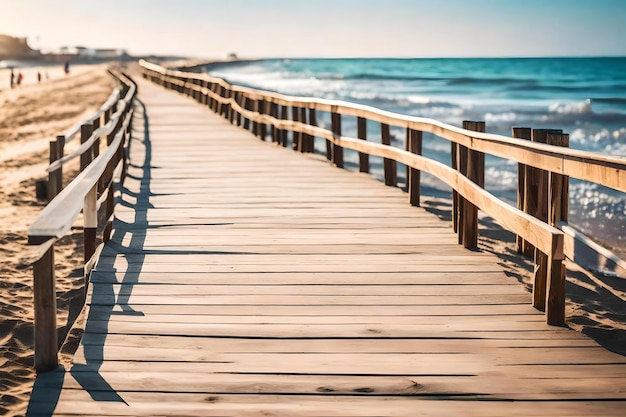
{"points": [[324, 28]]}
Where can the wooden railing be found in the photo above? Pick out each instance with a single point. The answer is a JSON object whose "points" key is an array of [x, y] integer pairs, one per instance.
{"points": [[544, 167], [91, 191]]}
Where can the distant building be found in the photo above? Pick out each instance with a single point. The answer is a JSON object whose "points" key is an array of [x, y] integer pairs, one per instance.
{"points": [[16, 48], [100, 53]]}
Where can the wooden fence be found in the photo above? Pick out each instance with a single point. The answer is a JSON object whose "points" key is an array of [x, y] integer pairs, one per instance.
{"points": [[544, 165], [90, 192]]}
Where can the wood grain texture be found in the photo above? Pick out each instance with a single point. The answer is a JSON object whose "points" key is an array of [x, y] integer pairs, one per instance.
{"points": [[243, 278]]}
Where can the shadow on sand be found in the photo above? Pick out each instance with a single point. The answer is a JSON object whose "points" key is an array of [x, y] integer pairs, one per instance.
{"points": [[48, 386], [596, 302]]}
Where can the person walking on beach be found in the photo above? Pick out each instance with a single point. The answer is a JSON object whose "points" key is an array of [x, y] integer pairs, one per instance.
{"points": [[12, 78], [20, 77]]}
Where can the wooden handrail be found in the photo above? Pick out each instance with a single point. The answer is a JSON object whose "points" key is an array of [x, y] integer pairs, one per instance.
{"points": [[260, 108], [57, 218], [104, 130], [108, 104], [607, 170]]}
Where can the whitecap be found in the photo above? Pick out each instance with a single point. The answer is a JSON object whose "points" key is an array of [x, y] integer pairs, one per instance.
{"points": [[571, 108]]}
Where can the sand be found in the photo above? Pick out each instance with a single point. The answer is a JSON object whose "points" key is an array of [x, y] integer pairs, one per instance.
{"points": [[29, 117], [34, 113]]}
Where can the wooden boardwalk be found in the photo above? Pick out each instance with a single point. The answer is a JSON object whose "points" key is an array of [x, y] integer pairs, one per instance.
{"points": [[244, 279]]}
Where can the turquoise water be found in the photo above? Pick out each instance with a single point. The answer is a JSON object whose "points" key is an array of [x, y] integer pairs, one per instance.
{"points": [[586, 97]]}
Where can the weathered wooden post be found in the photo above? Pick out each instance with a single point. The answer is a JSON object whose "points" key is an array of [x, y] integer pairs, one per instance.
{"points": [[45, 303], [304, 137], [364, 158], [53, 176], [454, 164], [461, 157], [558, 186], [558, 207], [414, 145], [284, 115], [524, 133], [389, 165], [536, 204], [312, 122], [555, 289], [475, 171], [90, 226], [244, 105], [255, 122], [95, 148], [262, 126], [85, 133], [228, 109], [218, 103], [238, 100], [337, 150], [296, 141], [273, 111]]}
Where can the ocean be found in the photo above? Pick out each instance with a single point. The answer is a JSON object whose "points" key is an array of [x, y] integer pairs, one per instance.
{"points": [[586, 97]]}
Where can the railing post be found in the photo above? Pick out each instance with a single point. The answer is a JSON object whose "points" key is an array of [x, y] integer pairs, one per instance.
{"points": [[238, 114], [312, 122], [558, 189], [95, 148], [90, 226], [45, 326], [475, 166], [364, 158], [304, 137], [454, 164], [219, 92], [262, 125], [389, 165], [85, 133], [111, 136], [274, 113], [284, 115], [296, 142], [228, 109], [555, 298], [337, 150], [559, 186], [53, 177], [526, 134], [536, 204], [110, 207], [255, 123], [246, 120], [414, 145]]}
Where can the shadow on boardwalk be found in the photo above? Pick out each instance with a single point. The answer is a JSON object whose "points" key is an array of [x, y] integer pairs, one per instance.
{"points": [[48, 386], [596, 302]]}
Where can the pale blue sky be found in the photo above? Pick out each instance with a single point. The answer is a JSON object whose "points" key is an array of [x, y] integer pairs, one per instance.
{"points": [[331, 28]]}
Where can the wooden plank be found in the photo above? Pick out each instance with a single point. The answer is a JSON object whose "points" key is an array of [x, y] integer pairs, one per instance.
{"points": [[303, 310], [109, 298], [499, 356], [78, 402], [350, 345], [416, 386], [280, 331], [290, 290], [301, 278]]}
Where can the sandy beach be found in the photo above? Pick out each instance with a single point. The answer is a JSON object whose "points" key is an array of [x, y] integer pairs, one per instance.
{"points": [[29, 117], [34, 113]]}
